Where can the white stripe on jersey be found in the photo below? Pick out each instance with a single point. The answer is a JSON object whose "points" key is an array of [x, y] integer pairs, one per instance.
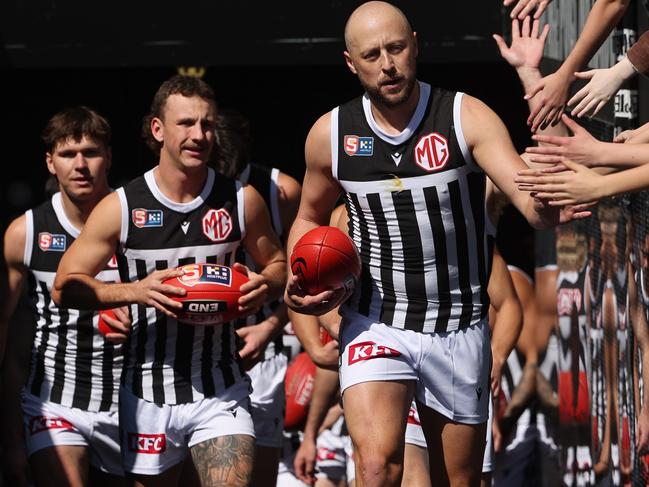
{"points": [[29, 238], [274, 202], [334, 143]]}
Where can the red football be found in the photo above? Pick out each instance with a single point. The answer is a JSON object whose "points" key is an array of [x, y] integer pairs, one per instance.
{"points": [[325, 258], [298, 385], [212, 293], [105, 328]]}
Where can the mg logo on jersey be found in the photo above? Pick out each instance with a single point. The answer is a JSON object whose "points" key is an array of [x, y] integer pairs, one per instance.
{"points": [[566, 298], [42, 423], [150, 444], [217, 225], [51, 242], [431, 152], [358, 146], [369, 350], [147, 218]]}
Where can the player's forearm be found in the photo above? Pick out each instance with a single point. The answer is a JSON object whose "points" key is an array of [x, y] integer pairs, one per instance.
{"points": [[275, 275], [601, 20], [80, 291], [507, 329], [529, 77], [307, 330], [627, 181], [324, 396], [301, 225]]}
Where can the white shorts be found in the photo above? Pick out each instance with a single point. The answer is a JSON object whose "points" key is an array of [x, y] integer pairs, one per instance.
{"points": [[451, 369], [415, 436], [331, 459], [285, 472], [49, 424], [155, 437], [267, 400]]}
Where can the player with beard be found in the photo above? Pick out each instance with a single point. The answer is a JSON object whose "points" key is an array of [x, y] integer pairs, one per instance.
{"points": [[412, 161]]}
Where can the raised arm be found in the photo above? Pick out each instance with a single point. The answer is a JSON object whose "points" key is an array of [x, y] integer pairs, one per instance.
{"points": [[523, 8]]}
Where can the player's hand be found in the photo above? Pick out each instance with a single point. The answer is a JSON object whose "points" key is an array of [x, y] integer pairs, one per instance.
{"points": [[642, 432], [603, 84], [496, 375], [326, 357], [304, 462], [256, 339], [298, 300], [581, 148], [635, 136], [254, 292], [553, 93], [573, 187], [120, 325], [526, 50], [523, 8], [151, 292]]}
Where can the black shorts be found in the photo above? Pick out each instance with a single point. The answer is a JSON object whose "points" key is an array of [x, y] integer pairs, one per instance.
{"points": [[545, 249]]}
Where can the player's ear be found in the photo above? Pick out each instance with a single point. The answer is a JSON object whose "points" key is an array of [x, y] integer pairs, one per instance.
{"points": [[49, 163], [349, 62], [157, 130]]}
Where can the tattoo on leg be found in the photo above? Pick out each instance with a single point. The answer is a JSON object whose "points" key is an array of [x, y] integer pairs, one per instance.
{"points": [[225, 461]]}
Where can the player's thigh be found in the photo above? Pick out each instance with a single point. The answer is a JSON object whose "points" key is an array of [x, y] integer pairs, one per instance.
{"points": [[264, 472], [455, 449], [415, 467], [376, 414], [65, 465], [168, 478], [225, 460]]}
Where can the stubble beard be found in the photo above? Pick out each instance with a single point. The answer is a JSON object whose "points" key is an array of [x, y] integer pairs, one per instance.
{"points": [[378, 98]]}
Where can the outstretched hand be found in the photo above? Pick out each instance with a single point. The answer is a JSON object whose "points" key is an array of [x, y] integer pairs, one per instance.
{"points": [[553, 93], [523, 8], [526, 50]]}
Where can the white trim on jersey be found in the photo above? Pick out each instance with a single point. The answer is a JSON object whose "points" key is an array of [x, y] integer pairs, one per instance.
{"points": [[274, 202], [334, 143], [123, 233], [417, 117], [149, 177], [245, 174], [65, 222], [241, 203], [459, 132], [29, 238]]}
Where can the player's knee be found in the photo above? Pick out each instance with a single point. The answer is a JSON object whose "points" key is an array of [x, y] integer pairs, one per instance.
{"points": [[377, 469]]}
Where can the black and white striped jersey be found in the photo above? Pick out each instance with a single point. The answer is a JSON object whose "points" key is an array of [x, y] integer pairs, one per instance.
{"points": [[416, 203], [167, 362], [264, 180], [71, 362]]}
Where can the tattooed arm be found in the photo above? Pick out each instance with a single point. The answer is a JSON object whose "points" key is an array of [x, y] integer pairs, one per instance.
{"points": [[225, 461]]}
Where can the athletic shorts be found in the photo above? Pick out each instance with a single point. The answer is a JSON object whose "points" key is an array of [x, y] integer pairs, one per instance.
{"points": [[267, 400], [415, 436], [331, 459], [451, 369], [155, 437], [285, 472], [545, 249], [49, 424]]}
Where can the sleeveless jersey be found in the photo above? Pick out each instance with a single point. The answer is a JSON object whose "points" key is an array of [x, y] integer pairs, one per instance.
{"points": [[167, 362], [72, 364], [264, 180], [416, 203]]}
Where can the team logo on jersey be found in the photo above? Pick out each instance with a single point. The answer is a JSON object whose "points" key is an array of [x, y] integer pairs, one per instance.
{"points": [[39, 424], [431, 152], [112, 263], [143, 443], [566, 298], [51, 242], [358, 146], [206, 274], [147, 218], [217, 224], [369, 350]]}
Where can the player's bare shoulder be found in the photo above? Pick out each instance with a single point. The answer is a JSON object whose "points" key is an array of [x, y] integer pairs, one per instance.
{"points": [[106, 218], [318, 143], [475, 113]]}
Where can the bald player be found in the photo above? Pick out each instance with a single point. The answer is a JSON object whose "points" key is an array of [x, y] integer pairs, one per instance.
{"points": [[411, 160]]}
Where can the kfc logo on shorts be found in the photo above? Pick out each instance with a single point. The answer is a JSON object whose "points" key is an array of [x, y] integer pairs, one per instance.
{"points": [[49, 242], [39, 424], [369, 350], [217, 225], [149, 444], [358, 146], [431, 152], [147, 218]]}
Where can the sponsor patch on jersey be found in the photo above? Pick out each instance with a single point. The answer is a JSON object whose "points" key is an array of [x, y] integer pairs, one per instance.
{"points": [[358, 146], [147, 443], [206, 274], [147, 218], [217, 224], [566, 299], [39, 424], [369, 350], [431, 152], [51, 242]]}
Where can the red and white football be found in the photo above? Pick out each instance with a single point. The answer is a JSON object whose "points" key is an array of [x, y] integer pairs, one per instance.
{"points": [[298, 386], [325, 258], [212, 293]]}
